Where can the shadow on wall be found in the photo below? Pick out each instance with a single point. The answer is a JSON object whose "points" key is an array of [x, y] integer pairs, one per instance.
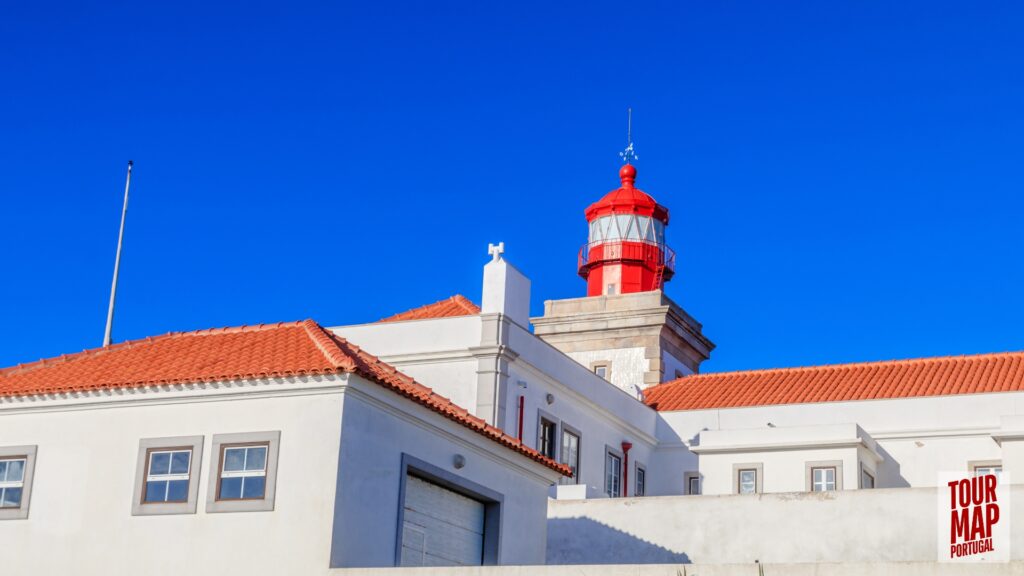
{"points": [[611, 546]]}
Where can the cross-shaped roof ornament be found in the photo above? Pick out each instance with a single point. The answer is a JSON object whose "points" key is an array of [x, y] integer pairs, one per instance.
{"points": [[496, 250], [629, 154]]}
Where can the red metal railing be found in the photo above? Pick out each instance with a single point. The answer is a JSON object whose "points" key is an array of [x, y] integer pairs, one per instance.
{"points": [[647, 252]]}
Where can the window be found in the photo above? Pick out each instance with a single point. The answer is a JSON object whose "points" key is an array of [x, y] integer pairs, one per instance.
{"points": [[746, 481], [610, 290], [986, 469], [823, 479], [245, 468], [546, 437], [641, 481], [571, 454], [693, 483], [12, 481], [602, 369], [866, 479], [167, 476], [243, 473], [16, 466], [612, 475]]}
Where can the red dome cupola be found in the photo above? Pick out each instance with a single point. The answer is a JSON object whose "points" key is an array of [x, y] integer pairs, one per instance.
{"points": [[626, 250]]}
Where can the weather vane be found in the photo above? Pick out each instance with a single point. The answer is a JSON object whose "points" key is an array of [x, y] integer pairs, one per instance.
{"points": [[629, 154]]}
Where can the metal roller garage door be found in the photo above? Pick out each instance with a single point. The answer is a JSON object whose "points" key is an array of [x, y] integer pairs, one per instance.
{"points": [[440, 527]]}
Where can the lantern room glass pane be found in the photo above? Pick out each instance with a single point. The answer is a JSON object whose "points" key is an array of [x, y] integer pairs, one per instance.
{"points": [[634, 229], [608, 230], [623, 222], [659, 232], [595, 231], [646, 231]]}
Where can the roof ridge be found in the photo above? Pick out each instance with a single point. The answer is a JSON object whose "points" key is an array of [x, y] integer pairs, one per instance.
{"points": [[847, 365], [465, 305], [92, 352], [327, 346]]}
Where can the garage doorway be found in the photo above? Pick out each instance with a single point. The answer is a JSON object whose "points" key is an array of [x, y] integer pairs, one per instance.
{"points": [[445, 520]]}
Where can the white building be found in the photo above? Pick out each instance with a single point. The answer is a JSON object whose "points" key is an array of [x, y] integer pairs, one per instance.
{"points": [[289, 448]]}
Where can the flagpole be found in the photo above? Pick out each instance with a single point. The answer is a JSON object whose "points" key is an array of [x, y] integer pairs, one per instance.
{"points": [[117, 260]]}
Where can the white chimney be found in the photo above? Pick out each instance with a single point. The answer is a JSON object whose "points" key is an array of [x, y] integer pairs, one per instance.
{"points": [[506, 290]]}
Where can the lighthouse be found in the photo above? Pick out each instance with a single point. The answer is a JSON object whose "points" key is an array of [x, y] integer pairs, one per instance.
{"points": [[626, 250]]}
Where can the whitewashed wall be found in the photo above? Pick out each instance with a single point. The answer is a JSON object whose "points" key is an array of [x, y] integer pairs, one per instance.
{"points": [[378, 430], [889, 525], [80, 518]]}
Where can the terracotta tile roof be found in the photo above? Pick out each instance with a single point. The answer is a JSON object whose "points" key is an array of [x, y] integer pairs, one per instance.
{"points": [[247, 352], [457, 305], [943, 376]]}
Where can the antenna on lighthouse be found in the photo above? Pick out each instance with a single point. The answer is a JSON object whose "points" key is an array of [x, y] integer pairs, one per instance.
{"points": [[629, 154], [117, 260]]}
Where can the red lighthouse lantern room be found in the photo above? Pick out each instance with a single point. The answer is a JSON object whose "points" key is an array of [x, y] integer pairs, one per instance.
{"points": [[626, 250]]}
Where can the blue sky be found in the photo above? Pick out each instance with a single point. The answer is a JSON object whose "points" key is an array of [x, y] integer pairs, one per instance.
{"points": [[844, 178]]}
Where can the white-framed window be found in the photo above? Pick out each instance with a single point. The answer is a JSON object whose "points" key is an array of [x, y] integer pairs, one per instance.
{"points": [[746, 481], [12, 481], [867, 481], [167, 475], [823, 479], [17, 464], [693, 484], [641, 481], [612, 474], [571, 454], [546, 437], [243, 472]]}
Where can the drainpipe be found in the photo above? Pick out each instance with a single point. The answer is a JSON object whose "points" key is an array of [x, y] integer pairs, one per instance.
{"points": [[522, 403], [625, 463]]}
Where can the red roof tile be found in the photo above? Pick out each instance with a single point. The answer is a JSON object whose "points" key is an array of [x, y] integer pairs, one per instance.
{"points": [[267, 350], [457, 305], [948, 375]]}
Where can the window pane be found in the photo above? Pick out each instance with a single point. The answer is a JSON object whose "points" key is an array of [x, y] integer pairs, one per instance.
{"points": [[3, 470], [256, 459], [179, 462], [156, 491], [230, 488], [748, 481], [177, 491], [634, 231], [160, 463], [234, 459], [11, 498], [15, 470], [253, 487], [608, 228]]}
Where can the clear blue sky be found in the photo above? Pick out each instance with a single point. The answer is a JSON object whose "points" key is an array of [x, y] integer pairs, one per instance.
{"points": [[845, 179]]}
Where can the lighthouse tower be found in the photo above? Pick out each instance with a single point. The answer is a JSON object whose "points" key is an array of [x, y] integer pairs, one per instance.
{"points": [[626, 329], [626, 251]]}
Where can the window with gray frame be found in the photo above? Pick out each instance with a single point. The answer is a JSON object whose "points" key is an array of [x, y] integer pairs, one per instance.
{"points": [[612, 474], [866, 479], [571, 454], [641, 481], [167, 476], [244, 470], [16, 470]]}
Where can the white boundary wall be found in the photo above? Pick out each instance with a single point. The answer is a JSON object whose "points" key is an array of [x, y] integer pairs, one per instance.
{"points": [[885, 525]]}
